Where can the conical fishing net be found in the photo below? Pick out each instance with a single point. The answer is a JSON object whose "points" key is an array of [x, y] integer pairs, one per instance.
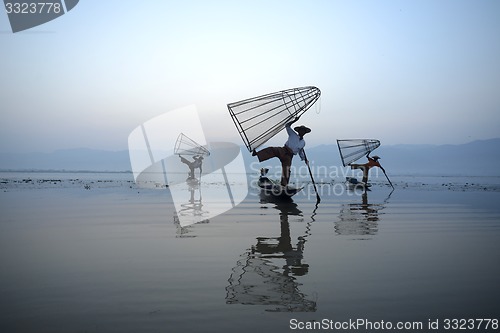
{"points": [[260, 118], [354, 149], [186, 146]]}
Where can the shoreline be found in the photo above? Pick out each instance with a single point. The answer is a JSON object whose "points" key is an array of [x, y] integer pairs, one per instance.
{"points": [[23, 180]]}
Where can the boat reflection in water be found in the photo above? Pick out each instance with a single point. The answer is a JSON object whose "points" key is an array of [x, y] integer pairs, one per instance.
{"points": [[359, 218], [267, 273]]}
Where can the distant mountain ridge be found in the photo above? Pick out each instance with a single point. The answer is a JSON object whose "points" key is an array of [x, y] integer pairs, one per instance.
{"points": [[78, 159], [479, 157]]}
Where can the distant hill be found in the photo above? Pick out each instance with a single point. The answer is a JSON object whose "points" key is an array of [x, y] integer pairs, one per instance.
{"points": [[475, 158], [80, 159]]}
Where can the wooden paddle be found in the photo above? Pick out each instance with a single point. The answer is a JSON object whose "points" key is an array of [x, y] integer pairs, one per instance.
{"points": [[387, 177], [318, 199]]}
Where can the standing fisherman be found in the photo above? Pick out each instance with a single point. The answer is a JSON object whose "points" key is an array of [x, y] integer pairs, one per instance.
{"points": [[293, 146], [195, 164], [372, 162]]}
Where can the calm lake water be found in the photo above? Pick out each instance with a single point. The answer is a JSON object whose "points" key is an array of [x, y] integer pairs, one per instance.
{"points": [[95, 253]]}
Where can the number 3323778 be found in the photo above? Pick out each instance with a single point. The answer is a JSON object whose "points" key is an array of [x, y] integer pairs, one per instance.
{"points": [[33, 8]]}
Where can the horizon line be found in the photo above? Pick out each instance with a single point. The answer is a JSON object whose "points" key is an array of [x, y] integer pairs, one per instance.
{"points": [[243, 146]]}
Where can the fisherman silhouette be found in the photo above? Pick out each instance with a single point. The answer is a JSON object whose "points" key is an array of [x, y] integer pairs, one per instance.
{"points": [[293, 146], [195, 164], [372, 162]]}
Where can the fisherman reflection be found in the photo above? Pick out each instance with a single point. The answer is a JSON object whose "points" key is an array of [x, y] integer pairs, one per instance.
{"points": [[191, 212], [266, 274], [281, 247], [359, 219]]}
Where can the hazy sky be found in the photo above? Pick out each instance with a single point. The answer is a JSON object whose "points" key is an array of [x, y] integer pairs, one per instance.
{"points": [[398, 71]]}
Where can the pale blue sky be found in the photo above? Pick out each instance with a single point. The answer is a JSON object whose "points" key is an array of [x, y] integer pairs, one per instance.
{"points": [[398, 71]]}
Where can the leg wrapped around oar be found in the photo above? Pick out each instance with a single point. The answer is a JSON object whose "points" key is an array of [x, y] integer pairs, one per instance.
{"points": [[285, 156]]}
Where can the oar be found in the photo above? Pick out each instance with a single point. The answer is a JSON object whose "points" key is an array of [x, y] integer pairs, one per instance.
{"points": [[387, 177], [318, 199]]}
